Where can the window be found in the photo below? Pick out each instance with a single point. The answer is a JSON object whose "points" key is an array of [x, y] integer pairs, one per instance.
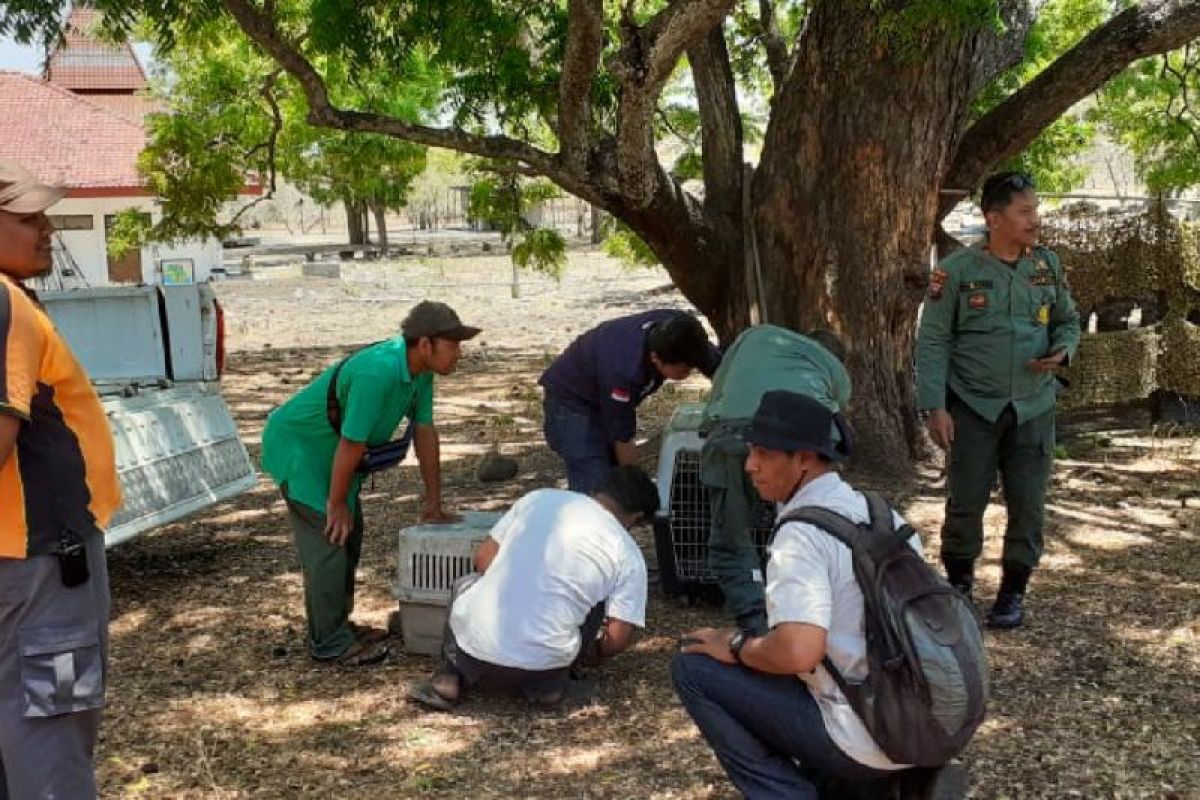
{"points": [[71, 222]]}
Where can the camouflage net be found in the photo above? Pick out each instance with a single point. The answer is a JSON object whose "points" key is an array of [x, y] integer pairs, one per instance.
{"points": [[1116, 261], [1110, 368], [1179, 359]]}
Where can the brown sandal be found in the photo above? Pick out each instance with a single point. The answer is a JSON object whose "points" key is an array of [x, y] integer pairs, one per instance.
{"points": [[362, 654], [426, 695]]}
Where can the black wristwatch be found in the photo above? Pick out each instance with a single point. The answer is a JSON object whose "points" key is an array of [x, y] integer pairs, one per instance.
{"points": [[737, 642]]}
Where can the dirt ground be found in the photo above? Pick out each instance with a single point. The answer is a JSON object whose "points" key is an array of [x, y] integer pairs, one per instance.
{"points": [[212, 695]]}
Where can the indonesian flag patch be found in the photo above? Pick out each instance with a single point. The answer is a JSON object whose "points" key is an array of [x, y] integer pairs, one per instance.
{"points": [[620, 395]]}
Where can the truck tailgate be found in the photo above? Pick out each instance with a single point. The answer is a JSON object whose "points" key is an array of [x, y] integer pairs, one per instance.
{"points": [[177, 451]]}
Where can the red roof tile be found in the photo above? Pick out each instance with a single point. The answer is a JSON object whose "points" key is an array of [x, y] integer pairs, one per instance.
{"points": [[82, 62], [133, 107], [65, 139]]}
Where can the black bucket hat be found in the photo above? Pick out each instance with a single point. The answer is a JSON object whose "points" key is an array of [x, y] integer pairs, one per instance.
{"points": [[791, 421]]}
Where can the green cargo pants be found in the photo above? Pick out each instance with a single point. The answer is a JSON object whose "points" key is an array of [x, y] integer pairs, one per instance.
{"points": [[328, 579], [1024, 455], [732, 500]]}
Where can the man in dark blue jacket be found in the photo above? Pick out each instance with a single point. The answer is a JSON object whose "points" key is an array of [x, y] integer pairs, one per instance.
{"points": [[593, 389]]}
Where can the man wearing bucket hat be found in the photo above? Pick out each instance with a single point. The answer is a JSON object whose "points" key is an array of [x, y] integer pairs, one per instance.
{"points": [[773, 714], [314, 447], [58, 489]]}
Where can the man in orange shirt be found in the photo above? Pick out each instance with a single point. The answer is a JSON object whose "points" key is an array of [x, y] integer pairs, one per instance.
{"points": [[58, 489]]}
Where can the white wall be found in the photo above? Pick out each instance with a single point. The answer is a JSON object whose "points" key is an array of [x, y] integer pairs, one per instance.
{"points": [[88, 247]]}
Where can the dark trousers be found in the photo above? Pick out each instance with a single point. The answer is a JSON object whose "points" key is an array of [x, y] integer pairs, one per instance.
{"points": [[531, 684], [1024, 455], [767, 732], [328, 579], [732, 502], [581, 442]]}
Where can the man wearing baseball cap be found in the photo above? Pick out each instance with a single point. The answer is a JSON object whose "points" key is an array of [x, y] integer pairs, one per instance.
{"points": [[58, 489], [313, 447]]}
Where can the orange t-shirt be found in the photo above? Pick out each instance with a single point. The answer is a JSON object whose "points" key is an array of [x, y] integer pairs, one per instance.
{"points": [[62, 473]]}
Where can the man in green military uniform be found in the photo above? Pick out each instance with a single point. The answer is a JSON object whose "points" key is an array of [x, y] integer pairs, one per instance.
{"points": [[762, 358], [998, 320], [316, 464]]}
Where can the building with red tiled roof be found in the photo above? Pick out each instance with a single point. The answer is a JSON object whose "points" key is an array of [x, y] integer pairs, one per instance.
{"points": [[82, 62], [109, 74], [68, 140], [81, 128]]}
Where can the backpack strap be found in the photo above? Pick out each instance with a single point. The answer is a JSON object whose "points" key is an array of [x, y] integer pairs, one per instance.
{"points": [[836, 525], [333, 409], [879, 532]]}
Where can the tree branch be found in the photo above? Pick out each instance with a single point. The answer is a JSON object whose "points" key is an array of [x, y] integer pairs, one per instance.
{"points": [[1154, 27], [778, 62], [323, 113], [720, 123], [267, 93], [647, 57], [996, 53], [585, 40]]}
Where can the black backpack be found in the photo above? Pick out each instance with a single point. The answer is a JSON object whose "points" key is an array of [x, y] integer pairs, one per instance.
{"points": [[927, 684]]}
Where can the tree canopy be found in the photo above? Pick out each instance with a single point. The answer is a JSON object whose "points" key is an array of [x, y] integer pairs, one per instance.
{"points": [[876, 118], [231, 115]]}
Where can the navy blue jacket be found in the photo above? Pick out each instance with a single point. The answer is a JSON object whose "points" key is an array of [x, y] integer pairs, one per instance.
{"points": [[607, 371]]}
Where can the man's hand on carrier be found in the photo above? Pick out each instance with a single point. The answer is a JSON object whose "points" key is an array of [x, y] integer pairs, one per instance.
{"points": [[436, 515], [712, 642]]}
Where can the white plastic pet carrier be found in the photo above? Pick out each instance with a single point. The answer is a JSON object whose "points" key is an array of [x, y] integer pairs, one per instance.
{"points": [[432, 558]]}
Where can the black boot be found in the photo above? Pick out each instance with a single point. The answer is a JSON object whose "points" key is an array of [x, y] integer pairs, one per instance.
{"points": [[960, 574], [1009, 609]]}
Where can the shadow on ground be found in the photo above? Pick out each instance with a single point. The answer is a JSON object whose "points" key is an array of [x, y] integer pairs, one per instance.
{"points": [[212, 695]]}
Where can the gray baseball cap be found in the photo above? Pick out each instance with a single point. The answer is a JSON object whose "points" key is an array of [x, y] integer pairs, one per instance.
{"points": [[433, 319], [21, 192]]}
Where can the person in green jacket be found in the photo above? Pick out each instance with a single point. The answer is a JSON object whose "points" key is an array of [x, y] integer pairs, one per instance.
{"points": [[998, 320], [315, 464], [762, 358]]}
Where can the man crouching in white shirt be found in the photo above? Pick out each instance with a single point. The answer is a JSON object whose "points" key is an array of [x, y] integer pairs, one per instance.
{"points": [[559, 581], [777, 721]]}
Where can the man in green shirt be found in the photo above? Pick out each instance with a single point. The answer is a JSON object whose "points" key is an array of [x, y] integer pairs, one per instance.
{"points": [[998, 320], [316, 468], [762, 358]]}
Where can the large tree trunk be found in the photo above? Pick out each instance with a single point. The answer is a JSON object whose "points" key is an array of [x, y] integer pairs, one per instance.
{"points": [[845, 205]]}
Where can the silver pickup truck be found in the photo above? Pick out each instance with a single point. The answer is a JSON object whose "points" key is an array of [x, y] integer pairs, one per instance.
{"points": [[155, 355]]}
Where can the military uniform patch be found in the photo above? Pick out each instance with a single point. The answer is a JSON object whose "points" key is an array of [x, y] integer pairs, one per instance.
{"points": [[937, 282], [975, 286], [977, 301], [1043, 316], [1043, 279]]}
